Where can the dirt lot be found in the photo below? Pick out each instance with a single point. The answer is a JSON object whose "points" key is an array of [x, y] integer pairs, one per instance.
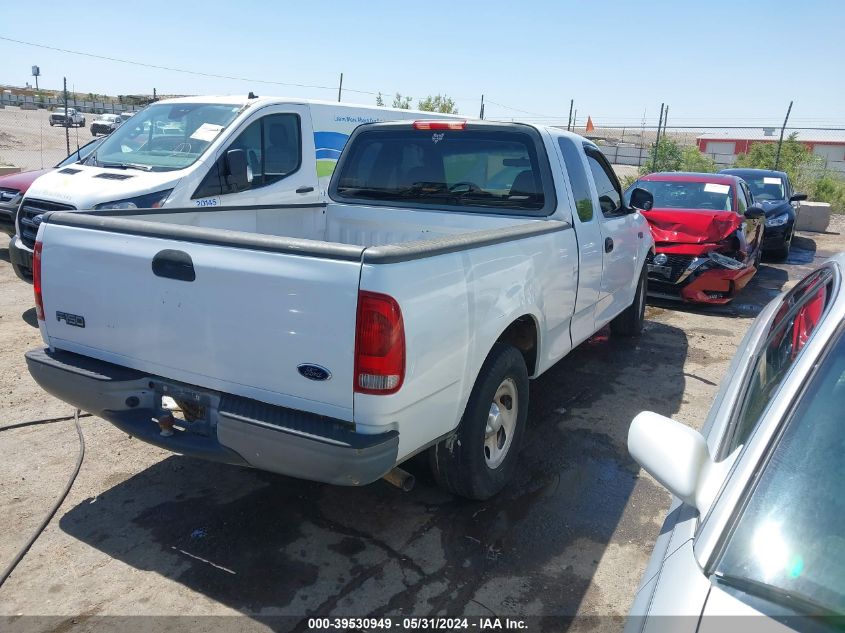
{"points": [[27, 140], [146, 532]]}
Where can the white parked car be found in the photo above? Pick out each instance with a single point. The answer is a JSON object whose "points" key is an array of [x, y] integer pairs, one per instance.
{"points": [[454, 261], [105, 124], [69, 117], [756, 525]]}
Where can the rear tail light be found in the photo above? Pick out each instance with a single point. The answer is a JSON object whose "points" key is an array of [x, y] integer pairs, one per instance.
{"points": [[439, 125], [379, 344], [36, 281]]}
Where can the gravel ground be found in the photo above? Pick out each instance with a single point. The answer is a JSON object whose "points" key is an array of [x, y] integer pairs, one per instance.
{"points": [[27, 140], [146, 532]]}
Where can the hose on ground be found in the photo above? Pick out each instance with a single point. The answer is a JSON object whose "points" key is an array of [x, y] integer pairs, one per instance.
{"points": [[23, 550]]}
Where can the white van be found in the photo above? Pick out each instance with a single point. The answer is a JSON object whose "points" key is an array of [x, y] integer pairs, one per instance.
{"points": [[203, 152]]}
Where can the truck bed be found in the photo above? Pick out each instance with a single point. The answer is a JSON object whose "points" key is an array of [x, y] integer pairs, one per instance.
{"points": [[235, 300]]}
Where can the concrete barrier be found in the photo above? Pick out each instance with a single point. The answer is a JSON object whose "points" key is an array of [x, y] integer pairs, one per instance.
{"points": [[813, 216], [5, 170]]}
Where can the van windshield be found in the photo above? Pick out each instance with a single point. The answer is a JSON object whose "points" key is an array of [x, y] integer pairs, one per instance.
{"points": [[164, 137]]}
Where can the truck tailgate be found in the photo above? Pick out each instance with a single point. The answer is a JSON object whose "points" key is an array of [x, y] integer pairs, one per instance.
{"points": [[243, 325]]}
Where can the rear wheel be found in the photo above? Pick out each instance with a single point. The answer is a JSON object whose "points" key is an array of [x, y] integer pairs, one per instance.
{"points": [[481, 457], [630, 321]]}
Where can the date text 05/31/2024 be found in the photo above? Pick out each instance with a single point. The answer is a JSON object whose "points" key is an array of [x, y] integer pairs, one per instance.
{"points": [[409, 623]]}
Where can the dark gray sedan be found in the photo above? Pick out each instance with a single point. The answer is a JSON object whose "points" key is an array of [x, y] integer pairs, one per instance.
{"points": [[756, 527]]}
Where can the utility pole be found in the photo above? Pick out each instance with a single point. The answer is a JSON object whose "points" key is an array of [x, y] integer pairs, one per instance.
{"points": [[780, 142], [67, 127], [569, 121], [657, 141], [574, 118], [665, 119], [481, 114], [340, 88]]}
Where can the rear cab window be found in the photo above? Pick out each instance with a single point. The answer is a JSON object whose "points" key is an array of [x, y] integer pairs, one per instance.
{"points": [[482, 168]]}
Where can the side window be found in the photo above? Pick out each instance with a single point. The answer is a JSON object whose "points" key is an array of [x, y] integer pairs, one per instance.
{"points": [[741, 200], [797, 318], [607, 186], [273, 148], [578, 179]]}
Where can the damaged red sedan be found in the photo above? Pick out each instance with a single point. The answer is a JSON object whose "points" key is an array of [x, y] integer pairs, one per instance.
{"points": [[707, 235]]}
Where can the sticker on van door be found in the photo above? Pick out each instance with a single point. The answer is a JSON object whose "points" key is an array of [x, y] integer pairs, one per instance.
{"points": [[208, 202]]}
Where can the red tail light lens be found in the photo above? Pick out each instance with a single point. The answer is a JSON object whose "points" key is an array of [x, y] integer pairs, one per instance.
{"points": [[36, 281], [379, 345], [439, 125]]}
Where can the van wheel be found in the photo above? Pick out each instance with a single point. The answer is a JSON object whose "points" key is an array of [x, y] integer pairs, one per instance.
{"points": [[630, 321], [479, 459]]}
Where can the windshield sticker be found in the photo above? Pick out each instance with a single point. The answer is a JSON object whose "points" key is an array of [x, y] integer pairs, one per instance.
{"points": [[768, 180], [207, 132], [712, 187], [436, 138]]}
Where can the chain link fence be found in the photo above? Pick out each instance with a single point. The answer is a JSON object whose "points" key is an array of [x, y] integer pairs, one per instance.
{"points": [[29, 141]]}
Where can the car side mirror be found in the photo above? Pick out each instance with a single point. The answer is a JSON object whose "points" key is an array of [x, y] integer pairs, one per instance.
{"points": [[797, 197], [641, 200], [755, 212], [236, 170], [677, 457]]}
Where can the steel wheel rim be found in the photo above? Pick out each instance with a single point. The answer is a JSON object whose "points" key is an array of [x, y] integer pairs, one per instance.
{"points": [[501, 423]]}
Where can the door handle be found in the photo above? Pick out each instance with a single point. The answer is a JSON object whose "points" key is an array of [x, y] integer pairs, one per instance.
{"points": [[305, 190], [174, 265], [608, 244]]}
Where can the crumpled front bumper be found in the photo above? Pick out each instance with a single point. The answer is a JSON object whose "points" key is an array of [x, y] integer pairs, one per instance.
{"points": [[698, 280], [718, 286]]}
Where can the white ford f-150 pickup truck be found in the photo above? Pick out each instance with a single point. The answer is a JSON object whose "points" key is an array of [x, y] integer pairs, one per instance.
{"points": [[453, 261]]}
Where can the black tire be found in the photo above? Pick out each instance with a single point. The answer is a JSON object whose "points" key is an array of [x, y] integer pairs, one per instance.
{"points": [[630, 321], [461, 463], [780, 254]]}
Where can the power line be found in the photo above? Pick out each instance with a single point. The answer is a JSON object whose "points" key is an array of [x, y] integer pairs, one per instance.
{"points": [[182, 70]]}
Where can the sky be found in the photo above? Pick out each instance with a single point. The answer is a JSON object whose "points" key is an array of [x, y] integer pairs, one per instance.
{"points": [[714, 63]]}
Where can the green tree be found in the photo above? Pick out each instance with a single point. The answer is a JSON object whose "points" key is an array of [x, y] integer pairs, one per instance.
{"points": [[694, 160], [438, 103], [669, 157], [379, 100], [403, 103], [795, 159]]}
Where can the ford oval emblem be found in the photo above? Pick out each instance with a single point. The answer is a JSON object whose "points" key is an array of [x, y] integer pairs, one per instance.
{"points": [[314, 372]]}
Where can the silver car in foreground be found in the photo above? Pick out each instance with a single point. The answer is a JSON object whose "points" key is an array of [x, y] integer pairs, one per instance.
{"points": [[757, 526]]}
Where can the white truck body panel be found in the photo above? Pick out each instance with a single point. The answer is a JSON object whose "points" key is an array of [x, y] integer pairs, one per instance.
{"points": [[261, 305]]}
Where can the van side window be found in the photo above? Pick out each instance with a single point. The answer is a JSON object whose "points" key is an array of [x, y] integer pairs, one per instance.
{"points": [[273, 151], [607, 186], [578, 178]]}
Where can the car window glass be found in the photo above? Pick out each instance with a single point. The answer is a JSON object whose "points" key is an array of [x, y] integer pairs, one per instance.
{"points": [[787, 545], [742, 201], [577, 178], [469, 169], [272, 148], [607, 187], [795, 321]]}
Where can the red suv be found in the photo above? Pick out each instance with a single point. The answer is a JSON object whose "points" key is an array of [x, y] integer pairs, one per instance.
{"points": [[707, 234]]}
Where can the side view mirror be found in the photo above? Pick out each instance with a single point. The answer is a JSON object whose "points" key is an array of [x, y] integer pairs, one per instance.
{"points": [[797, 197], [236, 170], [677, 457], [641, 199], [755, 212]]}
